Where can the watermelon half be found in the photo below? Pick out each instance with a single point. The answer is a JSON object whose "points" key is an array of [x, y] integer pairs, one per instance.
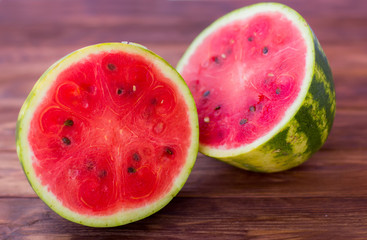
{"points": [[262, 86], [108, 135]]}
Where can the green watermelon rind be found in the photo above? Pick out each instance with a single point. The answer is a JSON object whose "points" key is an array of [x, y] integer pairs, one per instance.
{"points": [[308, 121], [39, 91]]}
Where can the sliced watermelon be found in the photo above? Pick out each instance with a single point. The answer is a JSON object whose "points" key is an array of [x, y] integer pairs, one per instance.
{"points": [[108, 135], [263, 88]]}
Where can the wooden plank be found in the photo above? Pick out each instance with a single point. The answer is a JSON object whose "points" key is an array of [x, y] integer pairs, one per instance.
{"points": [[198, 218]]}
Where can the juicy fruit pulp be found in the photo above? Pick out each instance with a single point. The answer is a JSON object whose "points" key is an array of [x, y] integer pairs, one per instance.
{"points": [[104, 138], [103, 134], [257, 63], [263, 88]]}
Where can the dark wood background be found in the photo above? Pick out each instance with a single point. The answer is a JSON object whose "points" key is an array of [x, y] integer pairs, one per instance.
{"points": [[325, 198]]}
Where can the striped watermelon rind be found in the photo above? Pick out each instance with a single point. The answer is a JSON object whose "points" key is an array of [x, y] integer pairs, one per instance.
{"points": [[308, 121]]}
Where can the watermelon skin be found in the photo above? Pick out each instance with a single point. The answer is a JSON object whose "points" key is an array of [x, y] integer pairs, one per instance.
{"points": [[26, 154], [307, 127]]}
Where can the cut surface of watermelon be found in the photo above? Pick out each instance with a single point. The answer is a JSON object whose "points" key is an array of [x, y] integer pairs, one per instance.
{"points": [[98, 136], [250, 73], [262, 59]]}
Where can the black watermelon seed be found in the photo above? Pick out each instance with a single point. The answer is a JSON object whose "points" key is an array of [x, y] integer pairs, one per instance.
{"points": [[102, 173], [168, 151], [277, 91], [131, 170], [265, 50], [111, 66], [252, 109], [119, 91], [217, 108], [66, 141], [250, 39], [206, 93], [136, 157], [69, 122], [243, 121]]}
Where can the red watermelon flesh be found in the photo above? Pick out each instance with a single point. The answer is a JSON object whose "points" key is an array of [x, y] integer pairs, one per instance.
{"points": [[244, 76], [105, 137]]}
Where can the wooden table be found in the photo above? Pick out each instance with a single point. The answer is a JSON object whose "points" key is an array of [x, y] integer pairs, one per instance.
{"points": [[325, 198]]}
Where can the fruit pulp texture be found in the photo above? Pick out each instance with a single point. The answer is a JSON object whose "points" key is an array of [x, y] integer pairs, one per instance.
{"points": [[244, 76], [106, 137]]}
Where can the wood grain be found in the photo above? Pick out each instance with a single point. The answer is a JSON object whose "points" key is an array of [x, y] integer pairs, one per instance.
{"points": [[325, 198], [218, 218]]}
